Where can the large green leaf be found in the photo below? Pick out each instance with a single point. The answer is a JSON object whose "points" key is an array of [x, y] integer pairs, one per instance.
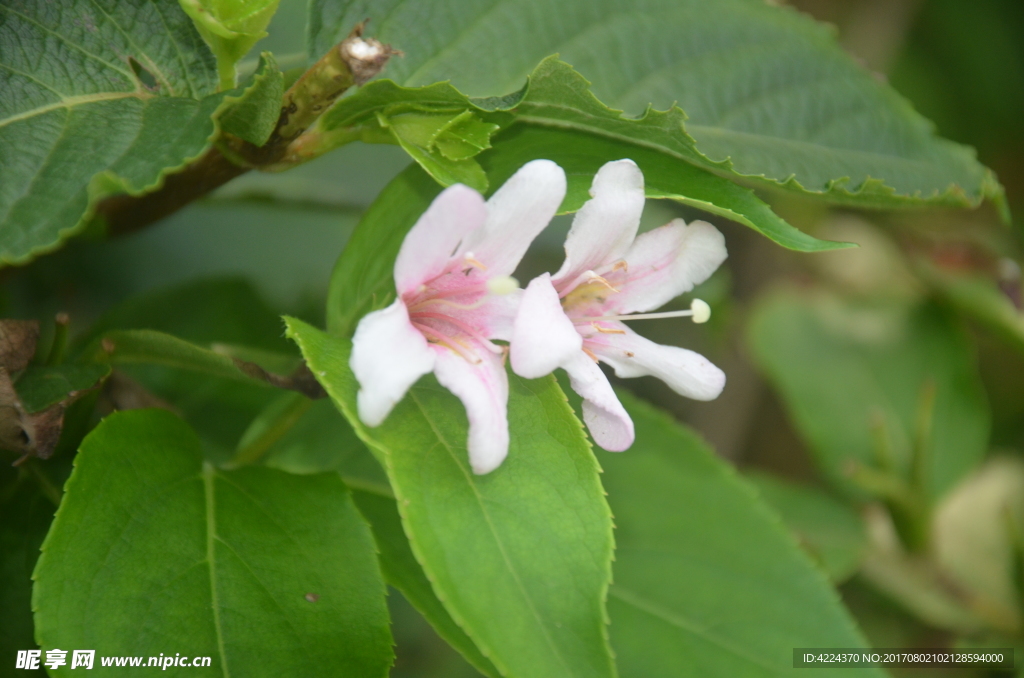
{"points": [[850, 374], [520, 557], [403, 572], [581, 155], [153, 551], [708, 583], [100, 97], [769, 95]]}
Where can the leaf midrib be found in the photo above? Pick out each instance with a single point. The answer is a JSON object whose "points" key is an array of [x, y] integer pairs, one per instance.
{"points": [[629, 598], [490, 526], [211, 537], [71, 102]]}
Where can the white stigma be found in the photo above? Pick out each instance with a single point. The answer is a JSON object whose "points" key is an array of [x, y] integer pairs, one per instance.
{"points": [[699, 310], [502, 285]]}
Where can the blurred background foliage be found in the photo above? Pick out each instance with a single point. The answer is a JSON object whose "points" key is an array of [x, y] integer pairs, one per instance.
{"points": [[875, 396]]}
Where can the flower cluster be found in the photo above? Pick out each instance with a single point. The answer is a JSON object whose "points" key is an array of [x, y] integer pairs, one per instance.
{"points": [[456, 298]]}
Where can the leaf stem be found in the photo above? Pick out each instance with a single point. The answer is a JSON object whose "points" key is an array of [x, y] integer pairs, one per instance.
{"points": [[257, 444]]}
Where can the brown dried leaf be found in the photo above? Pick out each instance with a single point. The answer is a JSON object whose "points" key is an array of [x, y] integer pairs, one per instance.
{"points": [[18, 339]]}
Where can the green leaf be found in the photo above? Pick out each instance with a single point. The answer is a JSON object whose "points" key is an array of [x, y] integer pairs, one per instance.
{"points": [[581, 155], [852, 373], [769, 95], [707, 581], [403, 572], [831, 531], [443, 143], [520, 557], [209, 311], [157, 348], [253, 115], [230, 28], [41, 387], [97, 100], [978, 297], [224, 314], [152, 551], [362, 279]]}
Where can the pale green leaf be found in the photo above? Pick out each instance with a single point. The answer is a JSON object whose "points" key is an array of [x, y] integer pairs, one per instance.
{"points": [[152, 551], [708, 583], [977, 296], [852, 375], [520, 557], [831, 531], [769, 95], [230, 28]]}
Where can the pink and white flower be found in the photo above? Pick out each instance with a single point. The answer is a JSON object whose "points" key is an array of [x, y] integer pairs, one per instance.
{"points": [[455, 295], [575, 318]]}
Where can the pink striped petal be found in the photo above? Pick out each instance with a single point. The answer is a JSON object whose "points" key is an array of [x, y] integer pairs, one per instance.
{"points": [[606, 419], [684, 371], [388, 356], [664, 263], [606, 225], [483, 389], [516, 214], [427, 249]]}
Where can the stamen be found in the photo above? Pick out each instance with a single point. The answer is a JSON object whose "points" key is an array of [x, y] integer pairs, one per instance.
{"points": [[699, 309], [606, 330], [471, 260], [446, 341], [468, 329], [592, 355], [444, 302], [595, 278]]}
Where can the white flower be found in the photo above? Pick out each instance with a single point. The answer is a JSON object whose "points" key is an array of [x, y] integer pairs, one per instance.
{"points": [[574, 318], [455, 295]]}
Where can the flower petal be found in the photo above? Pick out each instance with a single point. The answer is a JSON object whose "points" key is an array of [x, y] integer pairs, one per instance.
{"points": [[430, 244], [388, 356], [516, 214], [606, 225], [684, 371], [483, 389], [605, 417], [664, 263], [543, 337]]}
